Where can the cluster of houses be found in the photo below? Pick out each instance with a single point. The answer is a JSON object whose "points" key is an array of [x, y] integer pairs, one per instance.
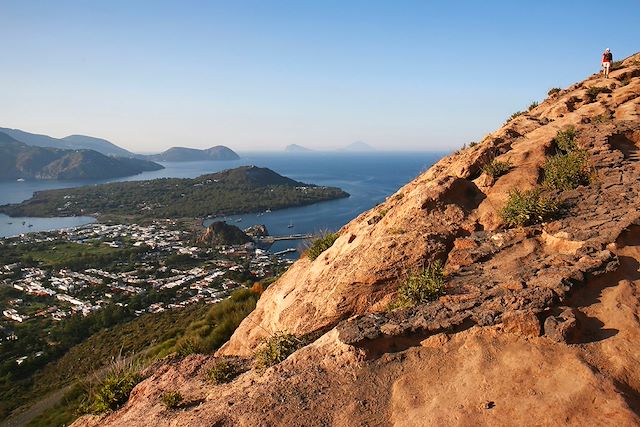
{"points": [[65, 291]]}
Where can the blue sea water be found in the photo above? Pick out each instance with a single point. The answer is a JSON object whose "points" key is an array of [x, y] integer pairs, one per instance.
{"points": [[368, 177]]}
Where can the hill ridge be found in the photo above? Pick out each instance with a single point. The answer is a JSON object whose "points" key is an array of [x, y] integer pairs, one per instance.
{"points": [[538, 322]]}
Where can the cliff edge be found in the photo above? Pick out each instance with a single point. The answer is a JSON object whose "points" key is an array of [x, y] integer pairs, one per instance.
{"points": [[538, 322]]}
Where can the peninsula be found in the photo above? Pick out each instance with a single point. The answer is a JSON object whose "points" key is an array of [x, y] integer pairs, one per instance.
{"points": [[233, 191]]}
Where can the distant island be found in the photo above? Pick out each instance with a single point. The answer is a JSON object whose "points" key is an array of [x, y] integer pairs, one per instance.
{"points": [[234, 191], [183, 154], [72, 142], [359, 146], [22, 161], [295, 148]]}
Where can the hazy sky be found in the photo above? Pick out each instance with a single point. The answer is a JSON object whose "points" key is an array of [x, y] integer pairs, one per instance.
{"points": [[410, 75]]}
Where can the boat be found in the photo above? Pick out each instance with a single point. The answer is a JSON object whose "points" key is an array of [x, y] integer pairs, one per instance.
{"points": [[30, 225], [239, 220], [9, 223], [20, 180], [290, 224]]}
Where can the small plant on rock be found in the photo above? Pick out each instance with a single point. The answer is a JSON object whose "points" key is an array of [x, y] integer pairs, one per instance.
{"points": [[594, 91], [421, 287], [565, 140], [171, 399], [528, 207], [321, 244], [188, 345], [275, 349], [553, 91], [567, 171], [113, 390], [496, 168], [533, 105], [514, 115], [223, 371]]}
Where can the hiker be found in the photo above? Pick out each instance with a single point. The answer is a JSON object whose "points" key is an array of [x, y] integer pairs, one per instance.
{"points": [[607, 57]]}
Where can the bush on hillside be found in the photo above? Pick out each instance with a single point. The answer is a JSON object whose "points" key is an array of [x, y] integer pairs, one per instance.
{"points": [[187, 345], [514, 115], [113, 390], [224, 371], [496, 168], [321, 244], [528, 207], [533, 105], [594, 91], [171, 399], [567, 171], [275, 349], [565, 140], [419, 288], [553, 91]]}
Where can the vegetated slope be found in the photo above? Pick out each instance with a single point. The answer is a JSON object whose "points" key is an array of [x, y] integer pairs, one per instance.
{"points": [[538, 325], [239, 190], [18, 160], [182, 154], [72, 142]]}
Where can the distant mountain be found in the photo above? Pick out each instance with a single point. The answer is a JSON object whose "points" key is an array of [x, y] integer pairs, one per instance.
{"points": [[19, 160], [295, 148], [359, 146], [73, 142], [182, 154], [98, 144]]}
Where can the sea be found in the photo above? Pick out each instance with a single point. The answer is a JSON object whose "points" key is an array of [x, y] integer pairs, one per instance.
{"points": [[368, 177]]}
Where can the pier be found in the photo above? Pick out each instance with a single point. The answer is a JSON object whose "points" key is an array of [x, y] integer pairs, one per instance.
{"points": [[271, 239]]}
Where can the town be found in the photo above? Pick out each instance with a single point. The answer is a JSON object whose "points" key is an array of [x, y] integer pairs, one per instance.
{"points": [[149, 268]]}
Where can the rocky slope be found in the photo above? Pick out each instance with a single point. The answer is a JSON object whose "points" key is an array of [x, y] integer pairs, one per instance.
{"points": [[539, 324]]}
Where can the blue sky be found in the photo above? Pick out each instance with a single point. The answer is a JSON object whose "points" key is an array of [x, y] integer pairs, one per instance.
{"points": [[261, 74]]}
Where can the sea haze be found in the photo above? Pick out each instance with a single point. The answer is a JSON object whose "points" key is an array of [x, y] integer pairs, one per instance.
{"points": [[368, 177]]}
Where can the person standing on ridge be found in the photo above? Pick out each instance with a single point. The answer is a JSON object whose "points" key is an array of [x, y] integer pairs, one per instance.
{"points": [[607, 57]]}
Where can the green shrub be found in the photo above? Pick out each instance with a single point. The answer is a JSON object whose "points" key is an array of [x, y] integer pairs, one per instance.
{"points": [[472, 144], [602, 118], [187, 345], [496, 168], [171, 399], [275, 349], [113, 391], [553, 91], [320, 245], [223, 371], [567, 171], [533, 105], [514, 115], [565, 140], [528, 207], [419, 288], [594, 91]]}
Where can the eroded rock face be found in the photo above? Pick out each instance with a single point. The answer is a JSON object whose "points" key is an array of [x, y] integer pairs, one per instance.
{"points": [[539, 324]]}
